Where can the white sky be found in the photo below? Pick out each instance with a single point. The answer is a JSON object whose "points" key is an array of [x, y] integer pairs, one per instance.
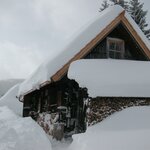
{"points": [[31, 30]]}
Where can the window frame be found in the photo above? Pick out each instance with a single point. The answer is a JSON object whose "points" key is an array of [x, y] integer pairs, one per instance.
{"points": [[116, 41]]}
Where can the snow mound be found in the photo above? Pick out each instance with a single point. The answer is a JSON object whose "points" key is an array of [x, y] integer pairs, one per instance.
{"points": [[6, 114], [5, 85], [20, 133], [112, 78], [125, 130], [10, 100]]}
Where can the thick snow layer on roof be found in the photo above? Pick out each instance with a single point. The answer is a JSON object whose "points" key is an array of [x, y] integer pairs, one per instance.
{"points": [[18, 133], [112, 78], [125, 130], [75, 44], [10, 100], [138, 30]]}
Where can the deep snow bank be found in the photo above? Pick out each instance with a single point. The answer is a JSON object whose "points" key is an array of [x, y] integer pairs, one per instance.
{"points": [[20, 133], [126, 130], [5, 85], [10, 100]]}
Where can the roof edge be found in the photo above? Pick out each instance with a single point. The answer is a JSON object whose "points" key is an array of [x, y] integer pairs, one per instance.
{"points": [[86, 49]]}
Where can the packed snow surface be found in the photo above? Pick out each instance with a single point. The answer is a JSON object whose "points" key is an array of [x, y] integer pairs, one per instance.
{"points": [[112, 78], [87, 33], [10, 100], [18, 133], [126, 130]]}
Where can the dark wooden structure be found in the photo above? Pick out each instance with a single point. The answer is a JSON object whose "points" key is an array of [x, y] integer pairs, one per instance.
{"points": [[118, 40], [65, 98]]}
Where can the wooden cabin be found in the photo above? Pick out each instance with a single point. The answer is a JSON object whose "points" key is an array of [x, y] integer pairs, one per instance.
{"points": [[114, 35]]}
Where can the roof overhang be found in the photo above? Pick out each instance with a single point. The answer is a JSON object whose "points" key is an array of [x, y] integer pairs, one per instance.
{"points": [[121, 18], [112, 78]]}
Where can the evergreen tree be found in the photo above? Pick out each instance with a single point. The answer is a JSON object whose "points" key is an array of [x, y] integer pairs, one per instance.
{"points": [[104, 5], [122, 3], [139, 15]]}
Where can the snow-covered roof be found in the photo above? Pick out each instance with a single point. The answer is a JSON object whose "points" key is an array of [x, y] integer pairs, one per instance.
{"points": [[112, 78], [86, 34]]}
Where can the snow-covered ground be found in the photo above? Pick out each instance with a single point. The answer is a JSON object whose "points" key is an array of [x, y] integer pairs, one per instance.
{"points": [[125, 130], [18, 133]]}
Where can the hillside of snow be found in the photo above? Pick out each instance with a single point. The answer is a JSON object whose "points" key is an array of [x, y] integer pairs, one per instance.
{"points": [[11, 101], [18, 133], [5, 85], [125, 130]]}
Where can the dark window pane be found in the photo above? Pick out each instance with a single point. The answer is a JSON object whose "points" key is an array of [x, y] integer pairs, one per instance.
{"points": [[118, 55], [119, 47], [112, 45], [111, 54]]}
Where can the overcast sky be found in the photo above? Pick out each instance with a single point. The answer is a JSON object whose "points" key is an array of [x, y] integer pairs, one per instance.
{"points": [[31, 30]]}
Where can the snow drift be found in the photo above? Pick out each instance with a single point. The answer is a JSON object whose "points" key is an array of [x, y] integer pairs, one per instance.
{"points": [[10, 100], [20, 133], [126, 130], [5, 85]]}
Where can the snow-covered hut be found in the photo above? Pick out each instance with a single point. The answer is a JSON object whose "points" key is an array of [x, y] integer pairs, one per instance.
{"points": [[110, 35]]}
